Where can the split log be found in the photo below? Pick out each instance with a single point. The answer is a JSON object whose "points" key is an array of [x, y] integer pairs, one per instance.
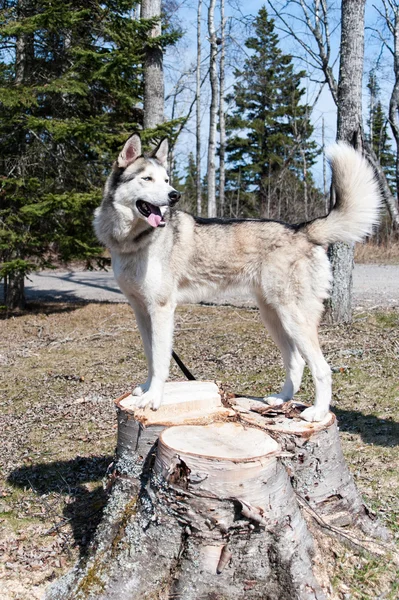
{"points": [[212, 502]]}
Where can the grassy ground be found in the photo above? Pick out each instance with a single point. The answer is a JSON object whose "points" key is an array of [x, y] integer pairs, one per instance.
{"points": [[64, 364]]}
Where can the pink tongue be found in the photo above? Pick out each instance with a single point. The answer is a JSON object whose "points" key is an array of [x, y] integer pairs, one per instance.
{"points": [[154, 220]]}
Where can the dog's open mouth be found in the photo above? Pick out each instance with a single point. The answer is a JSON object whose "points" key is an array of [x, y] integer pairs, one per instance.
{"points": [[151, 213]]}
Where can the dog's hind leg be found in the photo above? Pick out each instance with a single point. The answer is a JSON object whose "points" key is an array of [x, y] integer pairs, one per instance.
{"points": [[303, 331], [293, 361]]}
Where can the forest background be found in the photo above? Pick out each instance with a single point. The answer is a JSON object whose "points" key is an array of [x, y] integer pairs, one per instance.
{"points": [[250, 106]]}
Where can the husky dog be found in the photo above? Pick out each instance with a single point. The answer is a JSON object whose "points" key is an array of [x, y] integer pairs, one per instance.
{"points": [[162, 257]]}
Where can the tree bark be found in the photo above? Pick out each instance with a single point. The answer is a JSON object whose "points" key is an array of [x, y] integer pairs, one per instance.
{"points": [[314, 459], [211, 175], [349, 128], [323, 144], [228, 503], [198, 113], [305, 183], [153, 69], [14, 291]]}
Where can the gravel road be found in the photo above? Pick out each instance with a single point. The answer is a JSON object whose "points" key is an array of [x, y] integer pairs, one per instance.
{"points": [[374, 286]]}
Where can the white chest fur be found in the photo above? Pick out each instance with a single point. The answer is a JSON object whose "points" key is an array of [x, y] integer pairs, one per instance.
{"points": [[139, 274]]}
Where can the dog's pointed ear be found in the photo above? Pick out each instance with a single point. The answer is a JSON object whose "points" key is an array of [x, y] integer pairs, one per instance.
{"points": [[131, 151], [161, 152]]}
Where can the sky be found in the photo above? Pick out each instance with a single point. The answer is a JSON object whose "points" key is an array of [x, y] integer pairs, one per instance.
{"points": [[183, 57]]}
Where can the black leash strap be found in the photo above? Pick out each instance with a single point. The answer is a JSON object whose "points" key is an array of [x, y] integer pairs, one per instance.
{"points": [[183, 367]]}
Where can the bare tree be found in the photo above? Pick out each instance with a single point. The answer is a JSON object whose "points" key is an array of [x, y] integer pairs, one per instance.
{"points": [[222, 123], [314, 15], [323, 145], [349, 128], [305, 182], [212, 111], [179, 88], [153, 69], [198, 112]]}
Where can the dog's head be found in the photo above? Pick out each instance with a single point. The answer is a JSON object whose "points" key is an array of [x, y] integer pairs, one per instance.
{"points": [[142, 182]]}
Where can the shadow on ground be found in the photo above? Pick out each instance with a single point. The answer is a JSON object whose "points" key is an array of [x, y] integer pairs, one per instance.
{"points": [[43, 308], [83, 508], [66, 303], [373, 430], [74, 287], [101, 284]]}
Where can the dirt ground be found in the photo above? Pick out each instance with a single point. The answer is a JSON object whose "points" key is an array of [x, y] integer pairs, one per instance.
{"points": [[62, 366]]}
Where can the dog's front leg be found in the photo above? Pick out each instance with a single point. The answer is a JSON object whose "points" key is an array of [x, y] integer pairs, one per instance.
{"points": [[143, 320], [161, 341]]}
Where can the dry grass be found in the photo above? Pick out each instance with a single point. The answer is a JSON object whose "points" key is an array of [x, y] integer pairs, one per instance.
{"points": [[64, 364], [378, 254]]}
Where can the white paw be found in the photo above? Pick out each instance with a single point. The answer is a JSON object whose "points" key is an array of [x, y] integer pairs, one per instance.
{"points": [[275, 400], [312, 414], [141, 389], [151, 399]]}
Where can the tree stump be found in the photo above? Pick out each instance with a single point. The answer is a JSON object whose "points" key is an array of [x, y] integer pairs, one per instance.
{"points": [[218, 501], [316, 464]]}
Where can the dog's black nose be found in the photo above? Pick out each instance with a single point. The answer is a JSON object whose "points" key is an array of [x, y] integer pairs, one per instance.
{"points": [[174, 196]]}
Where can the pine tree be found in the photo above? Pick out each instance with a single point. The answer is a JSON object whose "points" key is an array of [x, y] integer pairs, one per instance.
{"points": [[70, 88], [268, 107]]}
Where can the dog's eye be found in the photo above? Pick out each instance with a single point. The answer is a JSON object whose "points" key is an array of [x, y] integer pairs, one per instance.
{"points": [[166, 180], [147, 178]]}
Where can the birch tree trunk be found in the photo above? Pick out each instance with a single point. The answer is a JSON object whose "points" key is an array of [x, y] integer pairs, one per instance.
{"points": [[211, 175], [323, 144], [153, 69], [198, 113], [394, 100], [349, 128], [305, 182], [222, 123]]}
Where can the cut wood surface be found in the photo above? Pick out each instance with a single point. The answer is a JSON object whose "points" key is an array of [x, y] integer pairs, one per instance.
{"points": [[185, 402], [181, 400], [232, 504], [225, 458]]}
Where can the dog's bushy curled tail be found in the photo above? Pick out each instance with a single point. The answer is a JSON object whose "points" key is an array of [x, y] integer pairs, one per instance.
{"points": [[358, 199]]}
